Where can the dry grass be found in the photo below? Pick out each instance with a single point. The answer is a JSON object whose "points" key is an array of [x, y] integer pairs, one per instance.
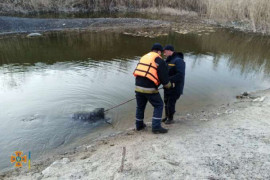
{"points": [[168, 11], [253, 14]]}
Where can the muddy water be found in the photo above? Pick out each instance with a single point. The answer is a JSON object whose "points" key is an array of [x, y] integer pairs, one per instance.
{"points": [[44, 80]]}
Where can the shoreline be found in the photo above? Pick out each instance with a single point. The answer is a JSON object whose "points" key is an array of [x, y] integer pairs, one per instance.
{"points": [[15, 25], [222, 142], [183, 24]]}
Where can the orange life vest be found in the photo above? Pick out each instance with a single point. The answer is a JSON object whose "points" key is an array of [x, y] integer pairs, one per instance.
{"points": [[147, 67]]}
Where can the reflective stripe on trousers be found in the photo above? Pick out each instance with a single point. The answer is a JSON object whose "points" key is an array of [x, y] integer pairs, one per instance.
{"points": [[156, 101]]}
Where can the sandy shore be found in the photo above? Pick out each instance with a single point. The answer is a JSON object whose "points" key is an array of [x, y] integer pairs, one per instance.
{"points": [[228, 142]]}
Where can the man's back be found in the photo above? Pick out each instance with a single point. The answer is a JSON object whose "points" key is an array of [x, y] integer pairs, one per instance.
{"points": [[162, 73]]}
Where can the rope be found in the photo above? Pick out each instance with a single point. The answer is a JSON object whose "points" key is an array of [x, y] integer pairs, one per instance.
{"points": [[121, 104]]}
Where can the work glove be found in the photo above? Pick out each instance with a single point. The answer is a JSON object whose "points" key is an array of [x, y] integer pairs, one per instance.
{"points": [[169, 85]]}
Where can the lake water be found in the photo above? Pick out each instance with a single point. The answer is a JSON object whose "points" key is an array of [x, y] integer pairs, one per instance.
{"points": [[44, 80]]}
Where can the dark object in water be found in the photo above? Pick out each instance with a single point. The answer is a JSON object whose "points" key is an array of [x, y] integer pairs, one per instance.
{"points": [[98, 113], [246, 95], [242, 96], [93, 116]]}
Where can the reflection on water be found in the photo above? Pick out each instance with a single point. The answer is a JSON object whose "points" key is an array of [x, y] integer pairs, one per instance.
{"points": [[65, 47], [246, 52], [44, 80]]}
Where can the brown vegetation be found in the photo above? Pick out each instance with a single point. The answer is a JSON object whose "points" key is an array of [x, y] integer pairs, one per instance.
{"points": [[249, 14]]}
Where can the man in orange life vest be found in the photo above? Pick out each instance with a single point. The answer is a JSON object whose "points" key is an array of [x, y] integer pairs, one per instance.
{"points": [[150, 72]]}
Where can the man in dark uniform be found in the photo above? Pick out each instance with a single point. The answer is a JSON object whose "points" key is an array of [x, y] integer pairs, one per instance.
{"points": [[176, 69], [150, 72]]}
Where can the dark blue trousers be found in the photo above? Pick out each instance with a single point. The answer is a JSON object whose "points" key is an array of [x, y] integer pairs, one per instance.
{"points": [[156, 101], [170, 101]]}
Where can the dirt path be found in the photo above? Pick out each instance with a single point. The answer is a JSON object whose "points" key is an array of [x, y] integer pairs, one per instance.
{"points": [[229, 142]]}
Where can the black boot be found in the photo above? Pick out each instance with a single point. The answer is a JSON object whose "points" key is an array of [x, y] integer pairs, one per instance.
{"points": [[141, 127], [170, 120], [160, 130], [164, 119]]}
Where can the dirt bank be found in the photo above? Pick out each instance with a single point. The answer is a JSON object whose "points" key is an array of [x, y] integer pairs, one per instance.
{"points": [[228, 142], [12, 25]]}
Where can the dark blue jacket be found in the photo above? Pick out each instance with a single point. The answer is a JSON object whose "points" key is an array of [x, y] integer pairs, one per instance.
{"points": [[176, 69]]}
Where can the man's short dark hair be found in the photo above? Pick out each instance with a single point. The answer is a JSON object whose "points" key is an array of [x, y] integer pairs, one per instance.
{"points": [[169, 47]]}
